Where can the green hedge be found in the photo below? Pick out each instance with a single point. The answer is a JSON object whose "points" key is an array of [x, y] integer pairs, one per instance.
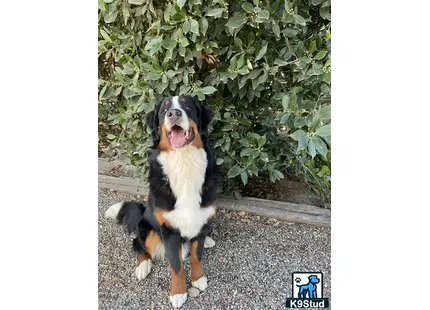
{"points": [[264, 66]]}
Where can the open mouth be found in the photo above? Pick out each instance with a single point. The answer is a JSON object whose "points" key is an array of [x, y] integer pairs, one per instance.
{"points": [[178, 137]]}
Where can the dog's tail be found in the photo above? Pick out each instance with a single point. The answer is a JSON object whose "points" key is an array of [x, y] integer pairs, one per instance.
{"points": [[128, 213]]}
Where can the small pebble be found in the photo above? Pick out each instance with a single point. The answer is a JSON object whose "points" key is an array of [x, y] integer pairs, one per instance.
{"points": [[193, 292]]}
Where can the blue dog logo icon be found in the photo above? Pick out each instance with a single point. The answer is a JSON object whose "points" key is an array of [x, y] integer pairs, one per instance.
{"points": [[309, 295], [309, 290]]}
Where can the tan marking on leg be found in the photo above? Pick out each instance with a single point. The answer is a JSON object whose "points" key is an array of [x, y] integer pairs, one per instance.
{"points": [[152, 241], [196, 264], [178, 282], [197, 142], [142, 257]]}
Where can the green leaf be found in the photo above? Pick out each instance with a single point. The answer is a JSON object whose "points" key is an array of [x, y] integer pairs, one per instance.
{"points": [[248, 64], [325, 12], [234, 171], [219, 161], [324, 131], [194, 26], [181, 3], [299, 20], [325, 113], [236, 21], [207, 90], [276, 30], [311, 148], [168, 43], [261, 52], [246, 152], [284, 118], [312, 46], [293, 102], [298, 134], [320, 55], [214, 12], [320, 146], [110, 17], [244, 177], [184, 42], [105, 35], [154, 75], [264, 157], [248, 7], [300, 121], [285, 101], [111, 136], [262, 141], [278, 174], [186, 27], [280, 62], [302, 143], [204, 25], [136, 2], [102, 6], [182, 51]]}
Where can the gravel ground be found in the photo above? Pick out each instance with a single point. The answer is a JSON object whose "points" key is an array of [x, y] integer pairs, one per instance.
{"points": [[249, 268]]}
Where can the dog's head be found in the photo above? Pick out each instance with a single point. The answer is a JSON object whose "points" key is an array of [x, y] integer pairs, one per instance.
{"points": [[179, 121], [313, 279]]}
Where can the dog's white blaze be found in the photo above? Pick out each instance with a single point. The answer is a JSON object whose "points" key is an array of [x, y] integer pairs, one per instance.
{"points": [[185, 168], [183, 121]]}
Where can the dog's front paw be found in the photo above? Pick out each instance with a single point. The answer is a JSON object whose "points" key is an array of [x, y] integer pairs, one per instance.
{"points": [[209, 242], [143, 269], [201, 283], [178, 300]]}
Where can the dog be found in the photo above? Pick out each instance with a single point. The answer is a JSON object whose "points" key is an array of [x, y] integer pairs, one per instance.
{"points": [[309, 289], [183, 185]]}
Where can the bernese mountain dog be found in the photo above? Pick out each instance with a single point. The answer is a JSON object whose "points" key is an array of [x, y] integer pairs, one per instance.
{"points": [[183, 184]]}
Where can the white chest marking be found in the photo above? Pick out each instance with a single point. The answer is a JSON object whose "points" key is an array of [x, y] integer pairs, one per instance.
{"points": [[185, 168]]}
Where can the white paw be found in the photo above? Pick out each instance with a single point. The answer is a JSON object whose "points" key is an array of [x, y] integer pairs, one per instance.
{"points": [[201, 283], [143, 269], [113, 210], [209, 242], [178, 300]]}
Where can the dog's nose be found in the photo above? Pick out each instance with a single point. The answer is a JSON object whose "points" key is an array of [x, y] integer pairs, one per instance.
{"points": [[174, 114]]}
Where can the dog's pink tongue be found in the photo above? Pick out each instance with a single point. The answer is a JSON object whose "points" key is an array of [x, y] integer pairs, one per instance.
{"points": [[177, 137]]}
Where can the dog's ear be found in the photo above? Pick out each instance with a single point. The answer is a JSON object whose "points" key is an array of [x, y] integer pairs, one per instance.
{"points": [[206, 115], [153, 123]]}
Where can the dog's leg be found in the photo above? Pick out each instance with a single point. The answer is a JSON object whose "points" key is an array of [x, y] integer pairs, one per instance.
{"points": [[313, 292], [198, 278], [178, 288]]}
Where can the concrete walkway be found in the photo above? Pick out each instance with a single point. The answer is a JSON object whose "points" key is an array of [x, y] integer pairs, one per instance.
{"points": [[249, 268]]}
